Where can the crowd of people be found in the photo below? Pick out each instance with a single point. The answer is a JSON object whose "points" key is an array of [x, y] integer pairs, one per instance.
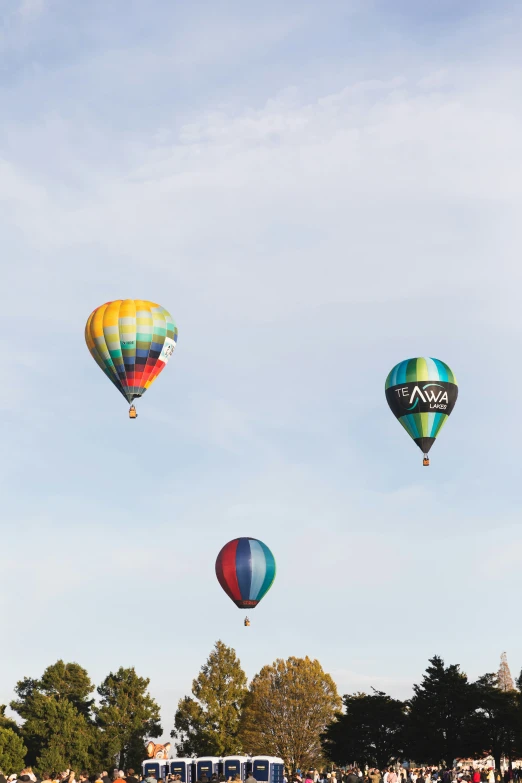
{"points": [[399, 774], [70, 776], [118, 776]]}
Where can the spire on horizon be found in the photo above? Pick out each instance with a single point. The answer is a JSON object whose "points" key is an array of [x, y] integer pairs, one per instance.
{"points": [[505, 680]]}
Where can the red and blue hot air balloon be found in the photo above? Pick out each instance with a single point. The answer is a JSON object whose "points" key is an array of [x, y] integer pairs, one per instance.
{"points": [[246, 569]]}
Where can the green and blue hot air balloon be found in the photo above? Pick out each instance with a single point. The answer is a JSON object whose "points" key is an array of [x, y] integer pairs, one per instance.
{"points": [[421, 394]]}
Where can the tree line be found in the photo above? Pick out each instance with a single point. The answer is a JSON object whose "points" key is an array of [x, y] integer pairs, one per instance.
{"points": [[290, 709], [63, 727], [447, 718]]}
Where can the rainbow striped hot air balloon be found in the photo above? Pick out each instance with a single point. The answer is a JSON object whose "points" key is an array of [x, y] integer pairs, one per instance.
{"points": [[245, 569], [132, 341], [421, 394]]}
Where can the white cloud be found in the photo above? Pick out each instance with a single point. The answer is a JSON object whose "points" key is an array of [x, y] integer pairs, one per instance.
{"points": [[410, 175]]}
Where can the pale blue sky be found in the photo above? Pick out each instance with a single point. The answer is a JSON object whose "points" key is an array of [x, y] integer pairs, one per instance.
{"points": [[315, 191]]}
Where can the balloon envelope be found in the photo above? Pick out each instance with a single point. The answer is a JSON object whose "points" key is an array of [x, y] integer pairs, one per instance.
{"points": [[132, 341], [422, 393], [246, 569]]}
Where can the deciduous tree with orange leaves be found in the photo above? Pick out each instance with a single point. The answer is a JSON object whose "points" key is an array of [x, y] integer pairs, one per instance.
{"points": [[288, 707]]}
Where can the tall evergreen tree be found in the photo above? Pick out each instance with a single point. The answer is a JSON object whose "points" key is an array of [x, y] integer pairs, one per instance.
{"points": [[61, 684], [69, 737], [370, 731], [69, 681], [494, 725], [12, 751], [289, 705], [209, 723], [127, 715], [438, 727]]}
